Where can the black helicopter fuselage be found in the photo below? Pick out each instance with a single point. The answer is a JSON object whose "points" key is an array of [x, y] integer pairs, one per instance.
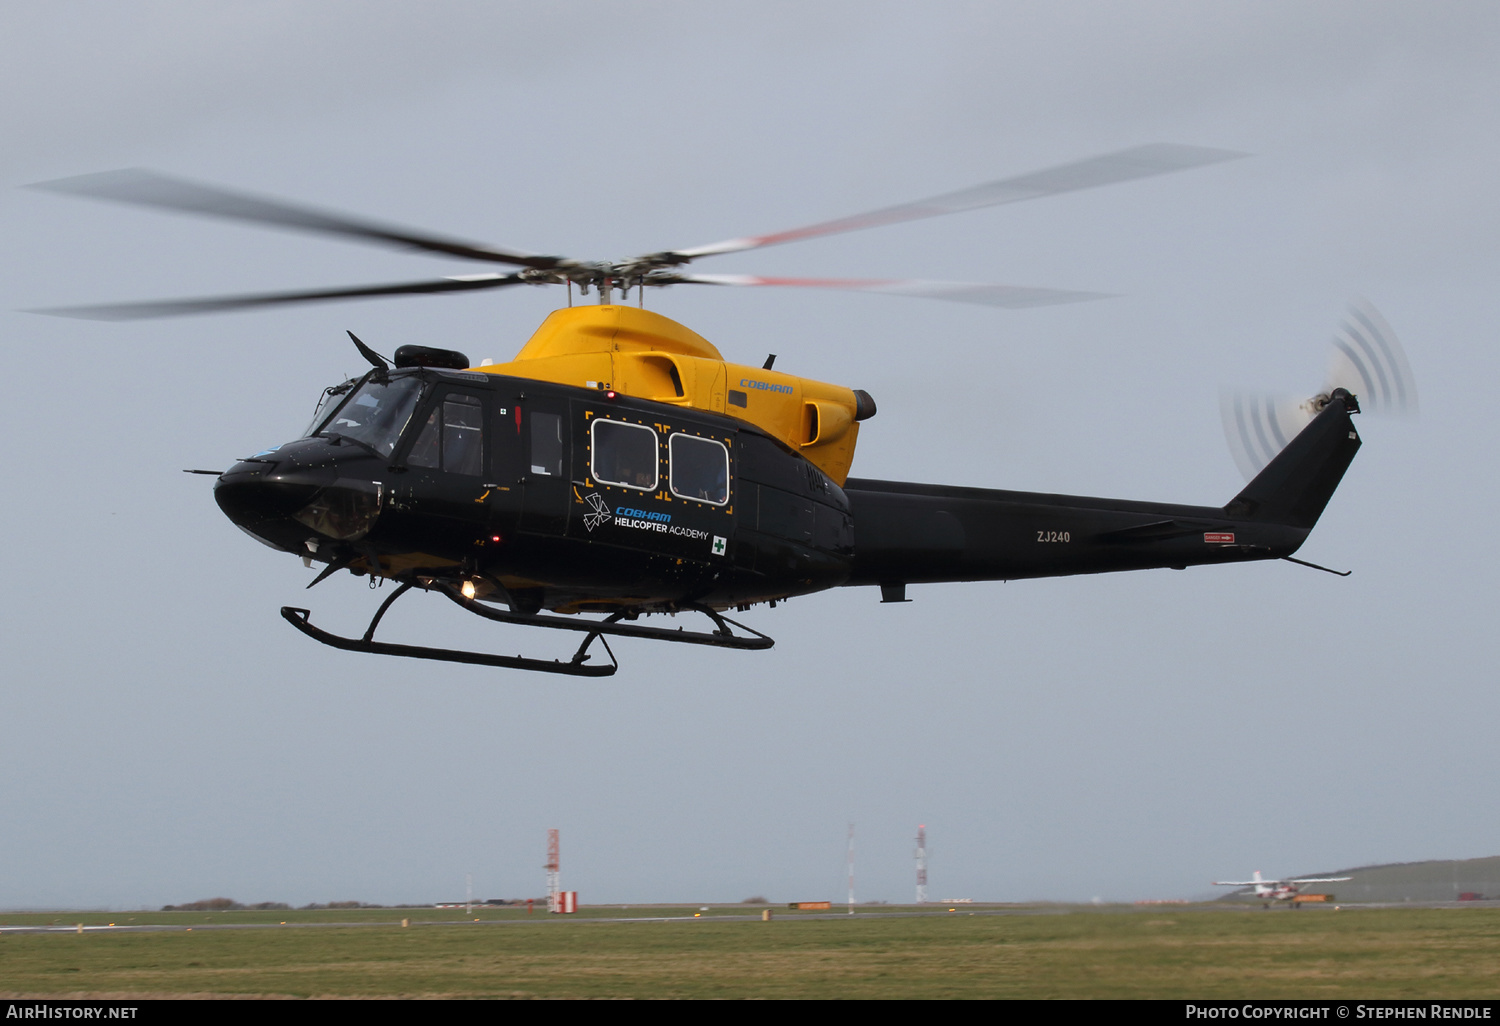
{"points": [[546, 496], [550, 496]]}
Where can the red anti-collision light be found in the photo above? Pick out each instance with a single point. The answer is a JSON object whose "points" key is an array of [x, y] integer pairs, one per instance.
{"points": [[495, 538], [611, 394]]}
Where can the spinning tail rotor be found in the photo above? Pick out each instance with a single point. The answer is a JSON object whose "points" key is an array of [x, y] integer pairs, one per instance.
{"points": [[1365, 358]]}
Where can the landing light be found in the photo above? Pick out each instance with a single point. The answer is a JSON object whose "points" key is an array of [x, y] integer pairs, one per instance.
{"points": [[468, 589]]}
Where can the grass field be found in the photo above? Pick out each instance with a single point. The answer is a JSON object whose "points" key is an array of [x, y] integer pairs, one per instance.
{"points": [[1043, 952]]}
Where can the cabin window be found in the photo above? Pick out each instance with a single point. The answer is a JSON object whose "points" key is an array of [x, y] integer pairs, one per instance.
{"points": [[623, 454], [452, 439], [700, 468], [546, 444]]}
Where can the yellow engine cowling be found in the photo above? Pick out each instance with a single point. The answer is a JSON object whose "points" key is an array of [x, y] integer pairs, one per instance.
{"points": [[645, 355]]}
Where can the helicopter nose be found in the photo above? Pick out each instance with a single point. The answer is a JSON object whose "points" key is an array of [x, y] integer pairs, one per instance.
{"points": [[256, 495]]}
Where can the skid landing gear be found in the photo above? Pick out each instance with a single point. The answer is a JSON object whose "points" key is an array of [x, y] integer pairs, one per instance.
{"points": [[722, 636]]}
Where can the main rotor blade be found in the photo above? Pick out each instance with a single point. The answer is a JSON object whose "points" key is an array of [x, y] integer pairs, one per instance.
{"points": [[149, 189], [220, 304], [1010, 296], [1124, 166]]}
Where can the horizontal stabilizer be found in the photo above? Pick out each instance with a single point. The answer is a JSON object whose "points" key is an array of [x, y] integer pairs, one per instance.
{"points": [[1154, 531]]}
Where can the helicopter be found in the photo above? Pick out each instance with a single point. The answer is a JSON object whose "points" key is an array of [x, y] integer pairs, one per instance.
{"points": [[619, 466]]}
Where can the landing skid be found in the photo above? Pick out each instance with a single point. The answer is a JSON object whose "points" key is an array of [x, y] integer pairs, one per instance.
{"points": [[722, 637], [575, 667]]}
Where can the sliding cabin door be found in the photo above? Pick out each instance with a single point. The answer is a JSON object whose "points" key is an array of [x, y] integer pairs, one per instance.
{"points": [[546, 478]]}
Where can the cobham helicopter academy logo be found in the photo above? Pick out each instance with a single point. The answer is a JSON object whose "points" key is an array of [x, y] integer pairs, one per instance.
{"points": [[600, 515], [644, 520]]}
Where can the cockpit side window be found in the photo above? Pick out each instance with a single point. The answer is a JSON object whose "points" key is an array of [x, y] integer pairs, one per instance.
{"points": [[700, 468], [463, 435], [376, 413], [452, 439], [425, 451]]}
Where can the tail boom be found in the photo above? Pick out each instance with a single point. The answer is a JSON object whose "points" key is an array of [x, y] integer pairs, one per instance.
{"points": [[907, 533]]}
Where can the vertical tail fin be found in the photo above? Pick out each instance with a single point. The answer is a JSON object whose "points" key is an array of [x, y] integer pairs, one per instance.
{"points": [[1294, 487]]}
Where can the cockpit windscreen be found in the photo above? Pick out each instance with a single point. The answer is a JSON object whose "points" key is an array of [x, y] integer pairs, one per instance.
{"points": [[376, 413]]}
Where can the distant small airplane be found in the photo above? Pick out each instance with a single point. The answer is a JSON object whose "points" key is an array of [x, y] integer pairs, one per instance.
{"points": [[1279, 890]]}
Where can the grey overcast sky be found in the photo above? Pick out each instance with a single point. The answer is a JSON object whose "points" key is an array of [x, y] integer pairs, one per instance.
{"points": [[167, 737]]}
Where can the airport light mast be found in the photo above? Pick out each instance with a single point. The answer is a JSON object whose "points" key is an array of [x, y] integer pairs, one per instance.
{"points": [[554, 864], [851, 869], [922, 864]]}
